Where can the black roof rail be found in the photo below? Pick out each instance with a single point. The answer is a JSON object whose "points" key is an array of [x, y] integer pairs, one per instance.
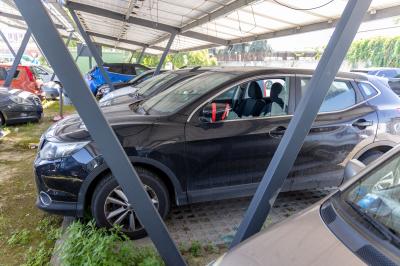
{"points": [[195, 68]]}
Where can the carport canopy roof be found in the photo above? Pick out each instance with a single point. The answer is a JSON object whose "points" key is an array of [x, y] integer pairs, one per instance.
{"points": [[199, 24]]}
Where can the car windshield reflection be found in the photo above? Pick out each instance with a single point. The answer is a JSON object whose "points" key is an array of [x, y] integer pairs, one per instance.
{"points": [[378, 195]]}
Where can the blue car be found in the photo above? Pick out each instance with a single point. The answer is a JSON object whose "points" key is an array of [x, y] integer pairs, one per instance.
{"points": [[118, 72]]}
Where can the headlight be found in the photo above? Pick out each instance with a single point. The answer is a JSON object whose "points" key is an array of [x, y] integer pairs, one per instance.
{"points": [[20, 100], [51, 150]]}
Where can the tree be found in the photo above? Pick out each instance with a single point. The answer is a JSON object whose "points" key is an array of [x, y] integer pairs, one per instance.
{"points": [[376, 52]]}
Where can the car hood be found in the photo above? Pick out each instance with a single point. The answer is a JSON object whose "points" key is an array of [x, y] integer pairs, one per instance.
{"points": [[72, 128], [301, 240]]}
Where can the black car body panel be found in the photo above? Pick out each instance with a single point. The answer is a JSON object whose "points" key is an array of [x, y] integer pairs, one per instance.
{"points": [[28, 109], [203, 161]]}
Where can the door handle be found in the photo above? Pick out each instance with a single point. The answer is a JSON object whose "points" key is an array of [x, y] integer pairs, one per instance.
{"points": [[362, 123], [278, 131]]}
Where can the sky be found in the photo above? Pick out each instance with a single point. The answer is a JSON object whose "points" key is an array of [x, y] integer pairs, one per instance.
{"points": [[308, 41]]}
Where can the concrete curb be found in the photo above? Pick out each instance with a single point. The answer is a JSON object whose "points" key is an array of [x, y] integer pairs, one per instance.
{"points": [[55, 259]]}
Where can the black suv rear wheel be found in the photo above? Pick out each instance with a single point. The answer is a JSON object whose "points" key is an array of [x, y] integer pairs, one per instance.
{"points": [[110, 205]]}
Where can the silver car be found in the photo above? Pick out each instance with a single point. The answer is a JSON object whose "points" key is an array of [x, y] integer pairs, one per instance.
{"points": [[356, 225]]}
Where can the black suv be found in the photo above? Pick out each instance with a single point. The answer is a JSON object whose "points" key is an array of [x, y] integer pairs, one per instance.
{"points": [[211, 137]]}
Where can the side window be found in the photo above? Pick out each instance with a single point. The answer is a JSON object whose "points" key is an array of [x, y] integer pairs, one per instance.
{"points": [[390, 73], [340, 96], [257, 98], [367, 90], [139, 70], [116, 68]]}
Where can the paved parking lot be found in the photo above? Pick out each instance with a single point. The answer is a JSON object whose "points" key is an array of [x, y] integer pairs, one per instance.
{"points": [[216, 222]]}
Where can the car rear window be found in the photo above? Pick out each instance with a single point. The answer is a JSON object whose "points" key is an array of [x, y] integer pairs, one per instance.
{"points": [[340, 96], [367, 90]]}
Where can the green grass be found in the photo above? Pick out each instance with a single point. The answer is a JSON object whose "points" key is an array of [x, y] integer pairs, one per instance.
{"points": [[87, 245], [27, 235]]}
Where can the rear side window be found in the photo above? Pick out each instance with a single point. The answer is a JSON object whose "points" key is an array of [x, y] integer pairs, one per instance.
{"points": [[367, 90], [389, 73], [115, 68], [340, 96]]}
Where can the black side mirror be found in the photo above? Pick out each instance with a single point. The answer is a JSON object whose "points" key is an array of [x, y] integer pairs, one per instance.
{"points": [[214, 112]]}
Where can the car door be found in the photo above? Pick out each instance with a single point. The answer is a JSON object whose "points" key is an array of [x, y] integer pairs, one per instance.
{"points": [[227, 158], [344, 120]]}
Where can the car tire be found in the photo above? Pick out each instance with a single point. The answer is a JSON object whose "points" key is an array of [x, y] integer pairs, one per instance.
{"points": [[107, 199], [370, 156], [2, 120]]}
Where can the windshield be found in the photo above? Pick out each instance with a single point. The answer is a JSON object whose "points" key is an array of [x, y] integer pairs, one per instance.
{"points": [[153, 84], [378, 195], [184, 93]]}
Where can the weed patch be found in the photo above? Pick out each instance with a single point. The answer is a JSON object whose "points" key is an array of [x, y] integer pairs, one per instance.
{"points": [[87, 245]]}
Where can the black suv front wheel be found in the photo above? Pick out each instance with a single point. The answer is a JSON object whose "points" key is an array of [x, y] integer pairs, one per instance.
{"points": [[110, 205]]}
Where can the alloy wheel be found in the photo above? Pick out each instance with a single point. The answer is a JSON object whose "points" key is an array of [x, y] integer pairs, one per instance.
{"points": [[118, 211]]}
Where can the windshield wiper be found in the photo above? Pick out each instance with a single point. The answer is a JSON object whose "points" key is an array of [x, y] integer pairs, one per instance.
{"points": [[381, 228]]}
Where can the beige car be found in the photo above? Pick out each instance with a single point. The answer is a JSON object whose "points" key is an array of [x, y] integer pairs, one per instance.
{"points": [[358, 224]]}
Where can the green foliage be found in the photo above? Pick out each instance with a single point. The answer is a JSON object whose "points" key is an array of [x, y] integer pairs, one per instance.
{"points": [[196, 249], [21, 237], [376, 52], [87, 245], [38, 257], [178, 60]]}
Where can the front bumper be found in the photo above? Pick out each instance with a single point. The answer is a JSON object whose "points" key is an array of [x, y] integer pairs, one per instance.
{"points": [[59, 208], [62, 179]]}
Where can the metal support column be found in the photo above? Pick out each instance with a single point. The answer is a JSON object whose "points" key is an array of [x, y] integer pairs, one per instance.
{"points": [[7, 43], [141, 55], [302, 120], [165, 53], [79, 52], [49, 39], [92, 48], [54, 73], [131, 57], [17, 59]]}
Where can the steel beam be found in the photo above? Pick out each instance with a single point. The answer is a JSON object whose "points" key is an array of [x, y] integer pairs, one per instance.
{"points": [[300, 124], [111, 38], [141, 55], [17, 59], [54, 73], [143, 22], [79, 52], [218, 13], [164, 55], [8, 44], [101, 132], [93, 50]]}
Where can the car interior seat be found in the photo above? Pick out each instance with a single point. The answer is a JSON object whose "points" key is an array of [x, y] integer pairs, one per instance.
{"points": [[253, 105], [276, 105]]}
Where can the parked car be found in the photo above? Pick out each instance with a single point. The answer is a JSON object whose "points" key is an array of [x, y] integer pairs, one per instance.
{"points": [[211, 137], [118, 72], [149, 87], [24, 79], [359, 224], [51, 90], [17, 106], [392, 75], [43, 73], [105, 89]]}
